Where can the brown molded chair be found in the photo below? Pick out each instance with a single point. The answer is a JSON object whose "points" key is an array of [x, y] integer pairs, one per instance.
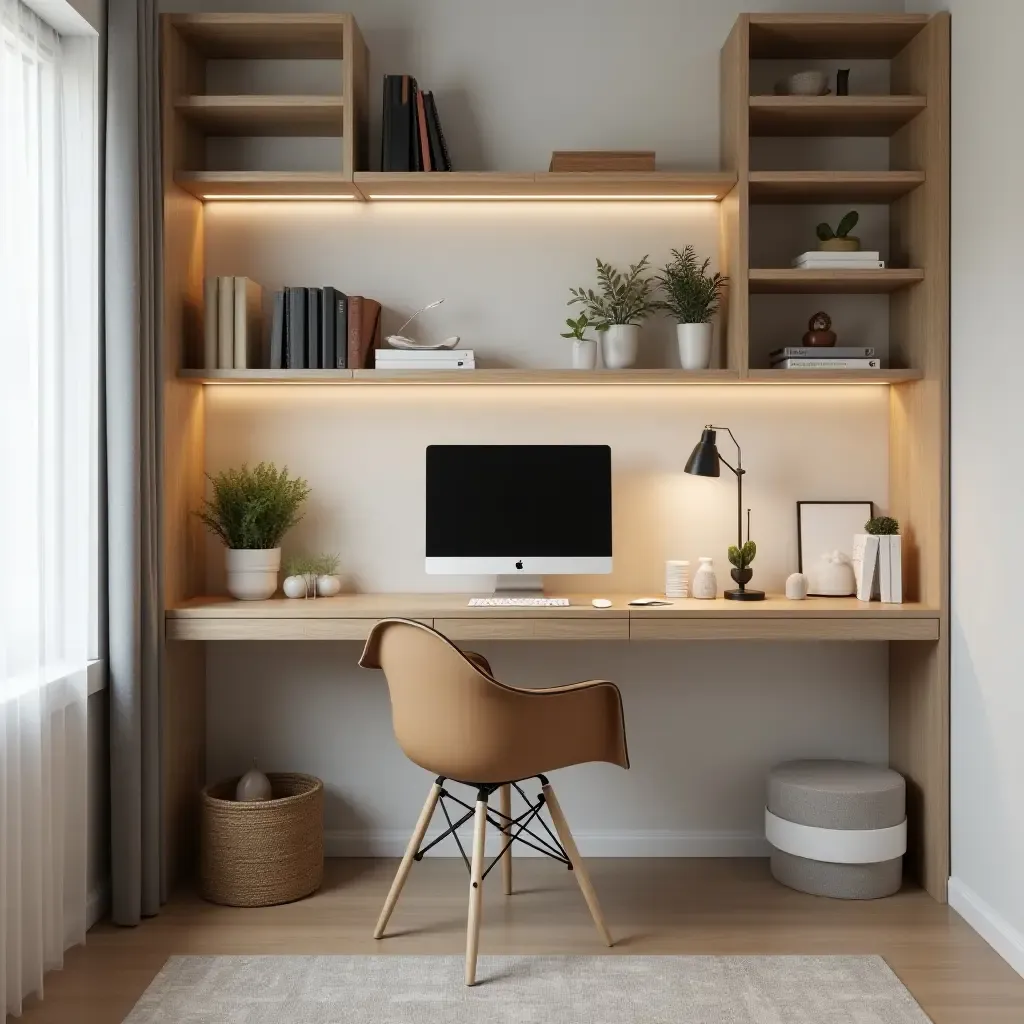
{"points": [[453, 718]]}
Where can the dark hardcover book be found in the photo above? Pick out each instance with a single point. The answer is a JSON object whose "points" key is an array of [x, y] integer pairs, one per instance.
{"points": [[401, 126], [433, 135], [314, 302], [296, 332], [341, 331], [277, 333], [387, 113], [355, 326], [422, 138], [446, 161], [371, 334], [414, 143], [328, 357]]}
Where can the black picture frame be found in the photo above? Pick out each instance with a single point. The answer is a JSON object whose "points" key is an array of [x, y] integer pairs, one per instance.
{"points": [[868, 506]]}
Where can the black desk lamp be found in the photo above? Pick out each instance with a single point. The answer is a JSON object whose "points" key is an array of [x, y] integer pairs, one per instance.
{"points": [[704, 460]]}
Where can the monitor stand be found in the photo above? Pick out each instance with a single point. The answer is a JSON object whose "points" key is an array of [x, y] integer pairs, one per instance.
{"points": [[519, 585]]}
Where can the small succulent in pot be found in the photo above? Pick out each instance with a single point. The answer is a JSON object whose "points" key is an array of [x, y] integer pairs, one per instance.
{"points": [[882, 526], [840, 239], [741, 559]]}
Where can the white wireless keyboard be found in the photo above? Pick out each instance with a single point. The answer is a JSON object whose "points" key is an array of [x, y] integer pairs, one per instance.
{"points": [[518, 602]]}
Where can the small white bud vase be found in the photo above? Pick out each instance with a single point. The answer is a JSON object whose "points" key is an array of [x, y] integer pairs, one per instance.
{"points": [[695, 341], [252, 573], [584, 354], [705, 583], [619, 346], [796, 586], [328, 586], [252, 786]]}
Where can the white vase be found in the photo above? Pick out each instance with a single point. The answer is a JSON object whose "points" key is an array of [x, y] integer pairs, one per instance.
{"points": [[328, 586], [252, 573], [253, 786], [705, 583], [695, 342], [296, 586], [832, 576], [584, 354], [796, 586], [619, 345]]}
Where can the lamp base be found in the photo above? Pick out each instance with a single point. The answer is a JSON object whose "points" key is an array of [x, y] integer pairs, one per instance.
{"points": [[744, 595]]}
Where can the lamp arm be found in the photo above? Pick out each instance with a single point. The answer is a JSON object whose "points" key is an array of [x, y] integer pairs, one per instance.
{"points": [[739, 451], [739, 471]]}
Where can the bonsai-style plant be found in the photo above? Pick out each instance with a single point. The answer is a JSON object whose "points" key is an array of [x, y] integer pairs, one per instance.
{"points": [[882, 526], [840, 239], [250, 511], [621, 303], [692, 297]]}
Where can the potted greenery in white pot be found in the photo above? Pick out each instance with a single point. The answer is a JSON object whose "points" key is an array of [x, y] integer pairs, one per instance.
{"points": [[250, 511], [624, 301], [584, 349], [692, 296]]}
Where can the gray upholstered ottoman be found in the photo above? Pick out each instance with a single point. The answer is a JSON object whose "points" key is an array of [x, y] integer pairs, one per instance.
{"points": [[837, 828]]}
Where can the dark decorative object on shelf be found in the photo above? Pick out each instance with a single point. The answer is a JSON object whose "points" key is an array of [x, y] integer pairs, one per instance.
{"points": [[840, 239], [882, 526], [705, 460], [819, 331], [843, 82]]}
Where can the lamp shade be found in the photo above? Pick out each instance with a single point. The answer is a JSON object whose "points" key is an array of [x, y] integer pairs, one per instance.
{"points": [[703, 460]]}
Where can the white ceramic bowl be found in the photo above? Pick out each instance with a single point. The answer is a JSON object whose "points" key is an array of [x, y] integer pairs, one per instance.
{"points": [[803, 83]]}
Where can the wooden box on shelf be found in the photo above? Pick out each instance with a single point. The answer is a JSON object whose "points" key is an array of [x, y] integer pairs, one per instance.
{"points": [[593, 160]]}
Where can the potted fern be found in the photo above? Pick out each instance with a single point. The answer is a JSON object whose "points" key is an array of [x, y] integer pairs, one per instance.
{"points": [[692, 296], [617, 309], [250, 511]]}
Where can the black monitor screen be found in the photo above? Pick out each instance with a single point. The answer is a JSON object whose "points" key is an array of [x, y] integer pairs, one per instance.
{"points": [[520, 500]]}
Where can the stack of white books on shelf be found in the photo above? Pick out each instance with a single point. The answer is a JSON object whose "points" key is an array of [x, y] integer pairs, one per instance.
{"points": [[835, 358], [878, 567], [426, 359], [820, 259]]}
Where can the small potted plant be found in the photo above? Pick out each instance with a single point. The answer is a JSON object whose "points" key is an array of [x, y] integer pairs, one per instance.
{"points": [[584, 349], [741, 559], [692, 297], [312, 577], [839, 240], [617, 310], [250, 511]]}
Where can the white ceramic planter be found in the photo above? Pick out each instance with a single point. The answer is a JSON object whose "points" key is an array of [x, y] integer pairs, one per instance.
{"points": [[252, 574], [584, 355], [619, 346], [695, 342], [328, 586], [296, 586]]}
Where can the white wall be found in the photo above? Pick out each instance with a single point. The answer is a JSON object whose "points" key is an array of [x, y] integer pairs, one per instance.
{"points": [[705, 721], [987, 707]]}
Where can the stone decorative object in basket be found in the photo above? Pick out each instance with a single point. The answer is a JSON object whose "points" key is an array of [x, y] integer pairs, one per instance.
{"points": [[837, 828], [265, 852]]}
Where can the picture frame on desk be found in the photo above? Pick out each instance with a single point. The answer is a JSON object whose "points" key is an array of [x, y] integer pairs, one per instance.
{"points": [[823, 527]]}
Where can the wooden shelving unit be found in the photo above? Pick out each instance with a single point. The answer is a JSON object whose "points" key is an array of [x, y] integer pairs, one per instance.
{"points": [[832, 115], [832, 36], [786, 280], [789, 187], [264, 115]]}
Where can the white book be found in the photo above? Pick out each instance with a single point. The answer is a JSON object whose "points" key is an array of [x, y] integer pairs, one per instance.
{"points": [[225, 323], [828, 364], [865, 565], [841, 265], [437, 364], [826, 255], [390, 355], [890, 558], [210, 358], [248, 327]]}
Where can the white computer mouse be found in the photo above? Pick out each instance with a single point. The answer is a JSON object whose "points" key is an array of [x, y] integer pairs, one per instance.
{"points": [[601, 602]]}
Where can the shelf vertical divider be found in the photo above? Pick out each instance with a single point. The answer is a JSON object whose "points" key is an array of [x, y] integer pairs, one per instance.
{"points": [[355, 141]]}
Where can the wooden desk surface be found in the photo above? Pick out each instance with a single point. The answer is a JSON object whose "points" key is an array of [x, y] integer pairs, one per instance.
{"points": [[348, 617]]}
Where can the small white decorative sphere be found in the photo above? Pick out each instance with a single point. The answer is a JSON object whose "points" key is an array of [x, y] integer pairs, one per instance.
{"points": [[328, 586], [295, 586], [253, 785], [796, 587]]}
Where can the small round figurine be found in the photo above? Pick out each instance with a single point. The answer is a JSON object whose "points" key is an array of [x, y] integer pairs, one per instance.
{"points": [[796, 586], [819, 331]]}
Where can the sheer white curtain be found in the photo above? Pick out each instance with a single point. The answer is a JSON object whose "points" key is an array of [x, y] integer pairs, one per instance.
{"points": [[47, 445]]}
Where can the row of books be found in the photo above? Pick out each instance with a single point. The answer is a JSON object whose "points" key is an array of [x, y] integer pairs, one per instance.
{"points": [[411, 135], [819, 260], [232, 323], [878, 567], [433, 359], [836, 358], [323, 329]]}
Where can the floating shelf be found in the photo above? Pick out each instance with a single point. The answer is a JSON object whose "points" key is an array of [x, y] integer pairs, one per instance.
{"points": [[832, 115], [305, 116], [831, 282], [263, 36], [834, 376], [279, 185], [832, 36], [832, 186]]}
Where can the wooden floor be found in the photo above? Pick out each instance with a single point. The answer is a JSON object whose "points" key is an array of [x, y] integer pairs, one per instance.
{"points": [[652, 906]]}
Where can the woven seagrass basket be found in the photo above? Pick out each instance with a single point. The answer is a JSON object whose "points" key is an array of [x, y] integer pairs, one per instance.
{"points": [[266, 852]]}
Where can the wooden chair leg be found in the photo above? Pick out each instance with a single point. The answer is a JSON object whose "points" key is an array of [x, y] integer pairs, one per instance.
{"points": [[582, 878], [476, 889], [410, 851], [505, 806]]}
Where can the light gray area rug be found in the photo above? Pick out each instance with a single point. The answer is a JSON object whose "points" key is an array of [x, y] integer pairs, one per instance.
{"points": [[527, 990]]}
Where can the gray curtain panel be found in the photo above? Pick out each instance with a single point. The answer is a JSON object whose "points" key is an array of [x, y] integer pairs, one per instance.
{"points": [[133, 244]]}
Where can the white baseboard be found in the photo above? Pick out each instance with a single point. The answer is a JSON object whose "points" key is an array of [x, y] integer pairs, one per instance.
{"points": [[392, 843], [97, 904], [1006, 940]]}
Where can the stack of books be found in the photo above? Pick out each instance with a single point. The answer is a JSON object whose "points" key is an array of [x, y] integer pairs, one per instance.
{"points": [[323, 329], [837, 358], [232, 323], [820, 260], [427, 359], [411, 135]]}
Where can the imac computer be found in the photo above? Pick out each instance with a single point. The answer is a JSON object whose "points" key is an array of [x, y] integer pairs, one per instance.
{"points": [[519, 511]]}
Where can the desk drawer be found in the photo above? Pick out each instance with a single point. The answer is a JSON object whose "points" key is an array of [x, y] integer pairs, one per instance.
{"points": [[783, 629], [204, 628], [523, 628]]}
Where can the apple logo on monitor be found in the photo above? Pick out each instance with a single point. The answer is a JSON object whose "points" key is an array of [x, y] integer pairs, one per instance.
{"points": [[519, 565]]}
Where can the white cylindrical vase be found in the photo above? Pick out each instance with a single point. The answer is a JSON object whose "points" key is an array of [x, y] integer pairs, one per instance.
{"points": [[695, 341], [252, 573], [584, 354], [619, 346], [705, 583]]}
